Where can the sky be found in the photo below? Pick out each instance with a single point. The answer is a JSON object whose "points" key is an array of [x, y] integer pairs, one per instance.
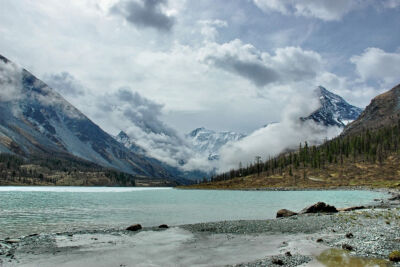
{"points": [[226, 65], [166, 67]]}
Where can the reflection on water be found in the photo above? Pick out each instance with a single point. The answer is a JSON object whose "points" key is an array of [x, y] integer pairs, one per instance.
{"points": [[338, 257]]}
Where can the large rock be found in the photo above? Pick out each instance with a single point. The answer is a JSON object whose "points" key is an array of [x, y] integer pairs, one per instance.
{"points": [[285, 213], [134, 227], [319, 207]]}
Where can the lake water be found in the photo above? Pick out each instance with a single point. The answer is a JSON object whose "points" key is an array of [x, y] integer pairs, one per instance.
{"points": [[27, 210]]}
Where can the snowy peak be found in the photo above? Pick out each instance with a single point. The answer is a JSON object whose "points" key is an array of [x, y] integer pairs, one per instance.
{"points": [[209, 142], [334, 110]]}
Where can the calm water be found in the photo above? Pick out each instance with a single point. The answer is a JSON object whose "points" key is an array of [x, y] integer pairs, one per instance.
{"points": [[26, 210]]}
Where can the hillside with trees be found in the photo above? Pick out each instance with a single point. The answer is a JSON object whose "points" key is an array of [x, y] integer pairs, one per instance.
{"points": [[42, 170], [366, 154]]}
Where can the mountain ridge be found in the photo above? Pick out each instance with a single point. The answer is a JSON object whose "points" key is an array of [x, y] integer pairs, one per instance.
{"points": [[37, 120], [334, 110]]}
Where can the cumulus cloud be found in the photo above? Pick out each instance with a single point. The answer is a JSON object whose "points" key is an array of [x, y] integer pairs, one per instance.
{"points": [[10, 81], [275, 138], [377, 64], [65, 84], [145, 13], [287, 65]]}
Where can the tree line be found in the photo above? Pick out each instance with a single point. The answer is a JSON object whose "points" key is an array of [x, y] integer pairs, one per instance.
{"points": [[40, 169], [372, 146]]}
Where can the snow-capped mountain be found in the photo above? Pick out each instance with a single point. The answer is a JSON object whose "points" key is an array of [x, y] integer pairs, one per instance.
{"points": [[36, 120], [334, 110], [209, 142]]}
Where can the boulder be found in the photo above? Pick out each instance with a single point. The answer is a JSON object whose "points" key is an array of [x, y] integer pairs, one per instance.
{"points": [[349, 235], [163, 226], [277, 261], [347, 247], [134, 227], [319, 207], [394, 256], [396, 197], [285, 213]]}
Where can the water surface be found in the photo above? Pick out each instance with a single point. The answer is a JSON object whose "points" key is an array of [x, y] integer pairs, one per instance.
{"points": [[26, 210]]}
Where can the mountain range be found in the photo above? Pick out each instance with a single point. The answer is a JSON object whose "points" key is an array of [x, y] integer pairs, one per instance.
{"points": [[37, 121]]}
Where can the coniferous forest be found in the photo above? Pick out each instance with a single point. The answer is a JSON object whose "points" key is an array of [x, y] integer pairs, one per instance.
{"points": [[370, 157]]}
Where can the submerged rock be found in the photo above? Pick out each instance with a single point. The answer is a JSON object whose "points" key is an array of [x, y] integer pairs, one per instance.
{"points": [[134, 227], [319, 207], [285, 213], [12, 241], [353, 208]]}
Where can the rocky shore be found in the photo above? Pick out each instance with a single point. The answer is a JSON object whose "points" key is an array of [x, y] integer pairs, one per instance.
{"points": [[360, 235]]}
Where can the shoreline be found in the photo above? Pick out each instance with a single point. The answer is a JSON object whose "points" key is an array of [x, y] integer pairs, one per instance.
{"points": [[375, 230]]}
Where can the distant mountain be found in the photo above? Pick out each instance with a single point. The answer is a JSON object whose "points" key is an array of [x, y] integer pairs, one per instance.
{"points": [[36, 120], [209, 142], [334, 110], [384, 110]]}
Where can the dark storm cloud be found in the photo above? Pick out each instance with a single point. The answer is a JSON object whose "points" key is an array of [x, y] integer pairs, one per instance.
{"points": [[257, 73], [145, 13]]}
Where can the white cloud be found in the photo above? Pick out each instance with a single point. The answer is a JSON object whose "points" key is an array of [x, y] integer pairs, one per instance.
{"points": [[278, 137], [327, 10], [209, 28], [322, 9], [10, 81], [376, 64]]}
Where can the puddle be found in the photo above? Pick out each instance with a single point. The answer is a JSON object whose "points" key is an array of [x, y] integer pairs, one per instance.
{"points": [[338, 257]]}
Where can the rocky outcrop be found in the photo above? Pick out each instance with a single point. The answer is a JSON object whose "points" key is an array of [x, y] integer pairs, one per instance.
{"points": [[285, 213], [319, 207], [134, 227], [384, 110]]}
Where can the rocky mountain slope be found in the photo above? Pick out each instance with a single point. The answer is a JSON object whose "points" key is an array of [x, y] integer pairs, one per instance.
{"points": [[334, 110], [36, 120], [384, 110]]}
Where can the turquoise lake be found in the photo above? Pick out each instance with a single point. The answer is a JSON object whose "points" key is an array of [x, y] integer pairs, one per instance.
{"points": [[27, 210]]}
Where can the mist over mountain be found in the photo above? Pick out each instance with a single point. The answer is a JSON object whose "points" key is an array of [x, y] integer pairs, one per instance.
{"points": [[36, 120], [209, 142]]}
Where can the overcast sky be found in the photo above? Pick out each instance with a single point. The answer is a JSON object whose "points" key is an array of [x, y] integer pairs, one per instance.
{"points": [[223, 64]]}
